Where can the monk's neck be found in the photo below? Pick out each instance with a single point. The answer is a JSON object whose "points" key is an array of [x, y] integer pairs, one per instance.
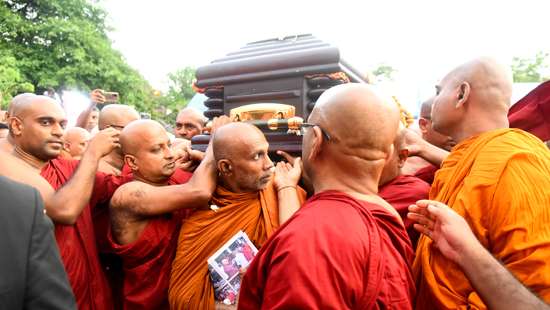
{"points": [[31, 160], [114, 159], [231, 186], [477, 126], [359, 189]]}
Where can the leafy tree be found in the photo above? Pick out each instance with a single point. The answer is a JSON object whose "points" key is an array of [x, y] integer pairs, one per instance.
{"points": [[180, 92], [64, 44], [384, 72], [530, 69]]}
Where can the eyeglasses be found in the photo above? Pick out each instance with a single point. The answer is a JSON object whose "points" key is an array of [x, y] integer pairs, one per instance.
{"points": [[305, 126]]}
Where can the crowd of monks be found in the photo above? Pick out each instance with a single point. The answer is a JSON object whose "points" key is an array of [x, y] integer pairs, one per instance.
{"points": [[373, 215]]}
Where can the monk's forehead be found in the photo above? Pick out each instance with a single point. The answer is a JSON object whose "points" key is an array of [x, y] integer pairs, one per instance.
{"points": [[42, 107], [150, 136], [248, 141]]}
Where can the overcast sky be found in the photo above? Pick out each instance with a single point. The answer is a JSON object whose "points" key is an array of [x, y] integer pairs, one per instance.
{"points": [[422, 39]]}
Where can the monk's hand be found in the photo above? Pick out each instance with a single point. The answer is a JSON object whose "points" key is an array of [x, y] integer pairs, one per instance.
{"points": [[218, 122], [104, 142], [97, 97], [449, 231], [287, 175], [413, 142]]}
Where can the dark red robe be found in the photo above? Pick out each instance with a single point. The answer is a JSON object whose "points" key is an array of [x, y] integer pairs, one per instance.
{"points": [[77, 244], [532, 112], [402, 192], [335, 253], [147, 261], [427, 174]]}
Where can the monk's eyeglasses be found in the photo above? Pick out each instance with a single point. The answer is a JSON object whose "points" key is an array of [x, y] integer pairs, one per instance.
{"points": [[305, 126]]}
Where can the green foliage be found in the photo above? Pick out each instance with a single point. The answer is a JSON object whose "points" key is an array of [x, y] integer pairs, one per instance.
{"points": [[63, 44], [530, 70], [180, 92], [384, 72]]}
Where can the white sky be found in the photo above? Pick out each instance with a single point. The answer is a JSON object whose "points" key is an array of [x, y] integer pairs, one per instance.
{"points": [[422, 39]]}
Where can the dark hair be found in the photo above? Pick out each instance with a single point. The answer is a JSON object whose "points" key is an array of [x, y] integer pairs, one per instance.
{"points": [[4, 126]]}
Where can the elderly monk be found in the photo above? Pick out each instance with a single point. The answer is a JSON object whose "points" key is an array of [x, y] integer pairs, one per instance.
{"points": [[418, 166], [145, 234], [247, 198], [496, 286], [115, 116], [401, 190], [36, 126], [497, 178], [189, 123], [6, 144], [346, 248], [75, 141]]}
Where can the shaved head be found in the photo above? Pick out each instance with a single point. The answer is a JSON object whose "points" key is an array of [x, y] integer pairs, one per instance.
{"points": [[117, 116], [241, 154], [21, 98], [147, 151], [426, 108], [75, 141], [37, 127], [472, 98], [189, 123], [351, 139]]}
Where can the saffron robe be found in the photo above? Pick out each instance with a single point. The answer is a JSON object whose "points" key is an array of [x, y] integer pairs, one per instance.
{"points": [[336, 252], [402, 192], [205, 231], [499, 182], [77, 244]]}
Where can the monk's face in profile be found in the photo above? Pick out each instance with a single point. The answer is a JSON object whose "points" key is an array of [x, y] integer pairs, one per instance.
{"points": [[432, 136], [445, 115], [153, 158], [39, 130], [249, 169]]}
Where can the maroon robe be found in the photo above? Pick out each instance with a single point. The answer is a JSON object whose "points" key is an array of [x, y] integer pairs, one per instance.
{"points": [[148, 260], [334, 253], [532, 112], [402, 192], [77, 244], [427, 174]]}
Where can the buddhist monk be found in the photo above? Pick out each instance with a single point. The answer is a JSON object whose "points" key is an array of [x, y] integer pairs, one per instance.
{"points": [[115, 116], [145, 235], [37, 126], [418, 166], [6, 144], [401, 190], [189, 123], [247, 198], [496, 178], [75, 141], [346, 248], [496, 286]]}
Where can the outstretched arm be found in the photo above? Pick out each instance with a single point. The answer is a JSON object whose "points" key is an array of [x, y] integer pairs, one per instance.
{"points": [[147, 200], [96, 96], [422, 148], [65, 205], [497, 287]]}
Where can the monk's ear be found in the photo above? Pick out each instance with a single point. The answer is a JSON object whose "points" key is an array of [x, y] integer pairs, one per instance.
{"points": [[463, 94], [66, 146], [403, 155], [423, 125], [16, 126], [316, 143], [224, 167], [131, 161]]}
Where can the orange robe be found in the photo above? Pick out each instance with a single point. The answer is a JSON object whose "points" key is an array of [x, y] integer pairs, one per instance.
{"points": [[499, 182], [205, 231]]}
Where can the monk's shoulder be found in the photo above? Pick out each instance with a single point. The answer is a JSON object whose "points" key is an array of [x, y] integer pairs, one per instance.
{"points": [[126, 193]]}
